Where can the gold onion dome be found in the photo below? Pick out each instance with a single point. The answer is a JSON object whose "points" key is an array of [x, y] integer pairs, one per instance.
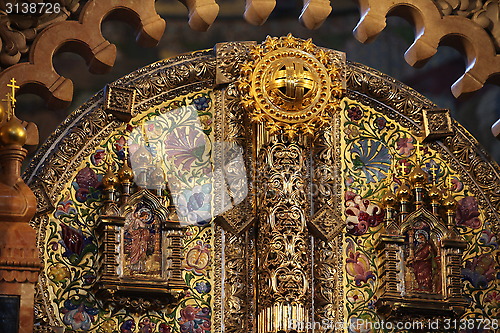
{"points": [[157, 177], [418, 177], [125, 174], [389, 199], [13, 133], [142, 158], [404, 192], [434, 194], [449, 203], [109, 180]]}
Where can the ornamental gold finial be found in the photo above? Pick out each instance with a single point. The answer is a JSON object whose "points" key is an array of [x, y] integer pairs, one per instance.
{"points": [[418, 151], [109, 180], [9, 105], [418, 177], [449, 202], [13, 88], [13, 132], [434, 173], [126, 174], [145, 135], [402, 169], [391, 171]]}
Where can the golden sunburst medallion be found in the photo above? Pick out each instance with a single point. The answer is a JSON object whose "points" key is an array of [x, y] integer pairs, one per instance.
{"points": [[291, 84]]}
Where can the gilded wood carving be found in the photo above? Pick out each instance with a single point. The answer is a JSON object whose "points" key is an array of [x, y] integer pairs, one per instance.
{"points": [[260, 247]]}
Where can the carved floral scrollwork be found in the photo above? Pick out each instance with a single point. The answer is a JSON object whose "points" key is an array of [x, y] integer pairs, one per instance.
{"points": [[283, 242], [230, 57], [237, 286], [484, 13], [17, 32], [328, 285], [471, 26]]}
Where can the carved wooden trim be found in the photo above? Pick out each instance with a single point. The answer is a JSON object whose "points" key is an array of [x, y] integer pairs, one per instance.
{"points": [[438, 22], [85, 38]]}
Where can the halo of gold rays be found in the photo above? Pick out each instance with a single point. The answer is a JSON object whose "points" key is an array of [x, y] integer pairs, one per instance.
{"points": [[291, 85]]}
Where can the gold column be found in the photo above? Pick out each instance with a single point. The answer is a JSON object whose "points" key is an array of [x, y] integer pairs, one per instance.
{"points": [[284, 245], [290, 89]]}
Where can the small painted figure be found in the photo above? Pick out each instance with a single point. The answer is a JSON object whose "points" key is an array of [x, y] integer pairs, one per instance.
{"points": [[424, 263], [137, 230]]}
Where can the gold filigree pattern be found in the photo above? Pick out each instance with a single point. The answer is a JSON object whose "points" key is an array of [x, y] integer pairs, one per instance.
{"points": [[291, 85], [283, 243], [437, 124], [85, 128], [230, 57], [120, 102]]}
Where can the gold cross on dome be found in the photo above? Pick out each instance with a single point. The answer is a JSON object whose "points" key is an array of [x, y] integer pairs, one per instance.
{"points": [[450, 183], [13, 87], [402, 168], [126, 149], [434, 169], [419, 147], [9, 105]]}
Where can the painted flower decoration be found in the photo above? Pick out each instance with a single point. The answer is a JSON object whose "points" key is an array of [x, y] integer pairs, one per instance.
{"points": [[355, 113], [201, 103], [352, 131], [79, 316], [146, 326], [371, 303], [195, 320], [468, 213], [164, 328], [75, 243], [119, 144], [206, 121], [194, 205], [357, 265], [98, 157], [198, 258], [488, 238], [355, 295], [380, 122], [493, 298], [480, 271], [404, 146], [88, 279], [203, 287], [58, 273], [108, 326], [86, 184], [65, 208], [185, 145], [372, 157], [128, 326], [361, 214]]}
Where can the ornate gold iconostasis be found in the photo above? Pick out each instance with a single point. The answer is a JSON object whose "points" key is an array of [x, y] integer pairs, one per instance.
{"points": [[252, 186]]}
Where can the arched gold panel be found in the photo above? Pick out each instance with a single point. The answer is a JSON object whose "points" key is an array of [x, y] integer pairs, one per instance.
{"points": [[262, 212]]}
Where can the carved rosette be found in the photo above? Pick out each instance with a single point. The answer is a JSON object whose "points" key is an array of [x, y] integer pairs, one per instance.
{"points": [[292, 85]]}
